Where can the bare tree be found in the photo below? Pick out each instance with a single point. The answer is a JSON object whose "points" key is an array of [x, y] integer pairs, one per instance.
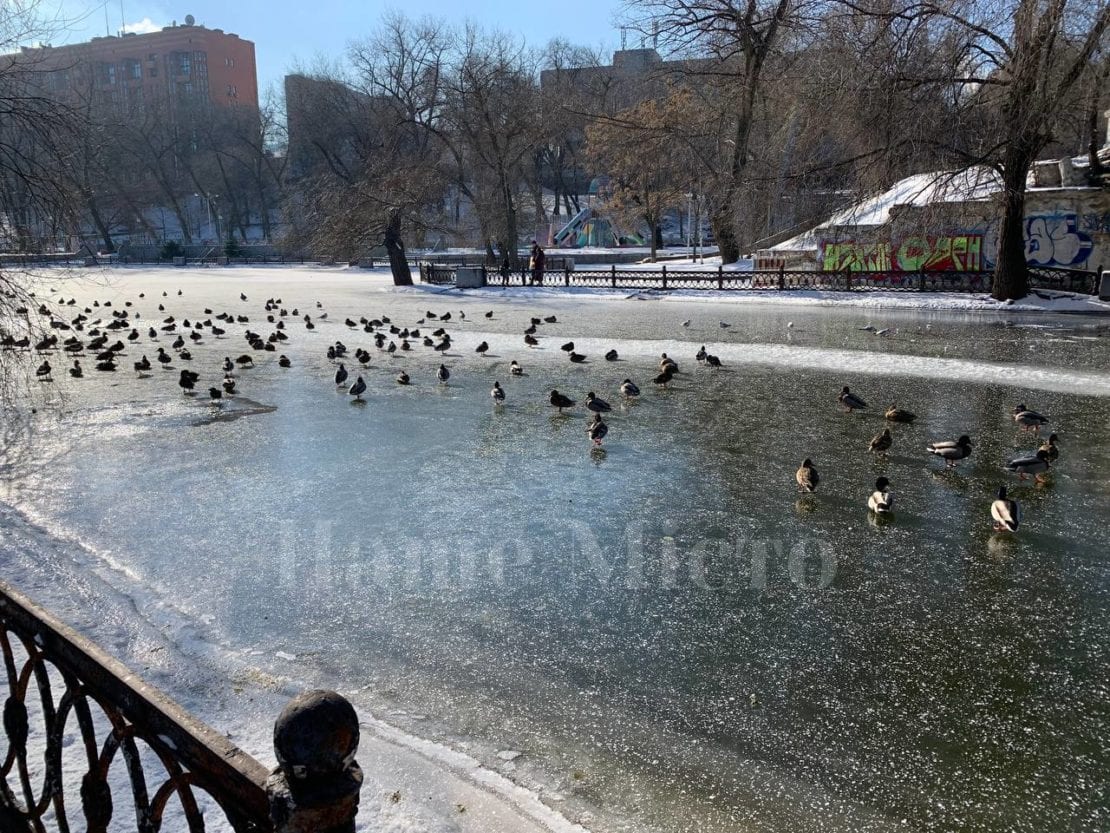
{"points": [[1012, 69]]}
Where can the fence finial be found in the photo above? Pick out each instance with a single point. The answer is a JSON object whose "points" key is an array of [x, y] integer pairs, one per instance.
{"points": [[315, 788]]}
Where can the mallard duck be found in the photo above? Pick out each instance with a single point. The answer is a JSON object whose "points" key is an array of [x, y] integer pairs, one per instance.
{"points": [[900, 415], [666, 361], [357, 389], [228, 385], [402, 378], [881, 501], [611, 356], [560, 401], [515, 369], [701, 354], [577, 358], [596, 404], [664, 378], [597, 429], [1030, 464], [283, 361], [1006, 512], [881, 442], [951, 451], [76, 372], [712, 361], [43, 372], [1029, 420], [550, 319], [531, 340], [215, 393], [443, 374], [1049, 447], [497, 393], [629, 389], [568, 347], [807, 476], [482, 348], [340, 375], [850, 401]]}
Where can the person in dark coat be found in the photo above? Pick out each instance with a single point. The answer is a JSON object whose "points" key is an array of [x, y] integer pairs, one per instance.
{"points": [[537, 262]]}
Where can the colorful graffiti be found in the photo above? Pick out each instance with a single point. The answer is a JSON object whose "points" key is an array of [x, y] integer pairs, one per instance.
{"points": [[941, 253], [1054, 239]]}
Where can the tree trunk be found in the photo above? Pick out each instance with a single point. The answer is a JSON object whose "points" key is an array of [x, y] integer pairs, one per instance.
{"points": [[724, 231], [1011, 273], [398, 263]]}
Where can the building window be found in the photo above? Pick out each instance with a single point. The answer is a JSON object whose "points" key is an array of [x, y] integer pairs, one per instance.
{"points": [[232, 91], [187, 88], [134, 70], [229, 62], [184, 63], [109, 74]]}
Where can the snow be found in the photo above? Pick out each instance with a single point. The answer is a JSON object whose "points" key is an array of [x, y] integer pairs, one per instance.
{"points": [[919, 190]]}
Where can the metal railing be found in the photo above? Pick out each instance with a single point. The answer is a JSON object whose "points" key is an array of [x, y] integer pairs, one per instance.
{"points": [[667, 278], [129, 733]]}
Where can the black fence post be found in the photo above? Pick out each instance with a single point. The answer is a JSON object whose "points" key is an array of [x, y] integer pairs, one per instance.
{"points": [[782, 278], [613, 273], [317, 783], [720, 276], [566, 274], [664, 276], [847, 280]]}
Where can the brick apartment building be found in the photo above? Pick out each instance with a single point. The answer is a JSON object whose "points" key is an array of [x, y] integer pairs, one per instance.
{"points": [[181, 64]]}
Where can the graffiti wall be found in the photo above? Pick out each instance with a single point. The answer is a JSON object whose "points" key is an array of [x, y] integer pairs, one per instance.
{"points": [[941, 252], [1056, 239]]}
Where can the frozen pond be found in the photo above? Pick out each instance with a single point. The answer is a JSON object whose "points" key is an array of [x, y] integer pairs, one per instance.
{"points": [[670, 634]]}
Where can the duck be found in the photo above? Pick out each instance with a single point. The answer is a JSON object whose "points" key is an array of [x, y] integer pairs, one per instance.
{"points": [[1029, 420], [611, 356], [228, 364], [629, 389], [163, 358], [497, 393], [577, 358], [482, 348], [807, 476], [701, 354], [283, 361], [560, 401], [1006, 512], [43, 372], [357, 389], [1050, 448], [443, 374], [228, 385], [850, 401], [881, 502], [550, 319], [894, 414], [215, 393], [664, 378], [667, 362], [881, 442], [568, 347], [76, 372], [951, 451], [712, 361], [597, 430], [515, 369], [596, 404], [341, 375], [531, 340], [1030, 464], [187, 380], [402, 378]]}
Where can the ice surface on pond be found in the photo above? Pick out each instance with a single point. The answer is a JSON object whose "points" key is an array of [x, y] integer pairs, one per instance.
{"points": [[664, 633]]}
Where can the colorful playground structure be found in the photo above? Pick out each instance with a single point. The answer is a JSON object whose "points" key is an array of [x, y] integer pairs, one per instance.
{"points": [[589, 228]]}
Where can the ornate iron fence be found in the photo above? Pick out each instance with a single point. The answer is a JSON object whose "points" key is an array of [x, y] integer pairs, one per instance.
{"points": [[94, 721], [779, 279]]}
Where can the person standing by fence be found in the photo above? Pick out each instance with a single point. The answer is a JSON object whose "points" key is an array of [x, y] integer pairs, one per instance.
{"points": [[536, 262]]}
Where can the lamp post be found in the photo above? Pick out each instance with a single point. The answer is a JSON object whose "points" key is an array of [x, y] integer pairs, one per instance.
{"points": [[208, 203]]}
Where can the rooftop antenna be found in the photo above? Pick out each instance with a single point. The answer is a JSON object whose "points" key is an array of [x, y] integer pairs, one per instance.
{"points": [[654, 33], [107, 27], [122, 19], [624, 38]]}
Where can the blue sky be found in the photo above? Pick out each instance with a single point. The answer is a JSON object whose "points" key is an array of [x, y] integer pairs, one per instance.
{"points": [[288, 33]]}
